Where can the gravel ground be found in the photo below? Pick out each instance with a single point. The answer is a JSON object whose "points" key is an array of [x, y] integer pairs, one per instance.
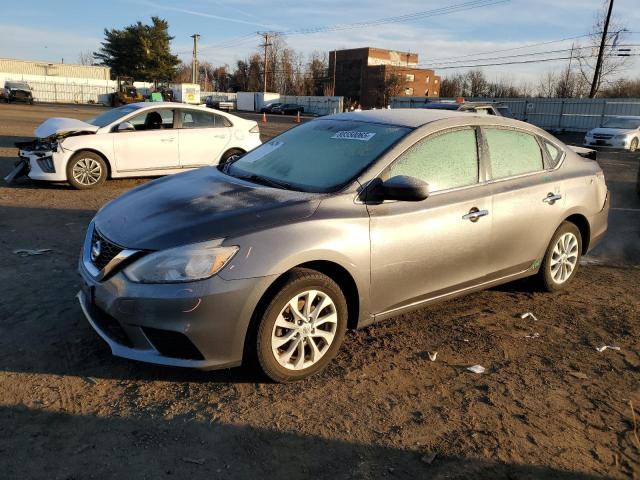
{"points": [[548, 406]]}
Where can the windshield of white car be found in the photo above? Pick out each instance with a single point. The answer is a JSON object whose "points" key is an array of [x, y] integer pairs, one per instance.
{"points": [[111, 116], [318, 156], [624, 123]]}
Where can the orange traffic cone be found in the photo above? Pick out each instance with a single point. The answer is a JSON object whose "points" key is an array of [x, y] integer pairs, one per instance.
{"points": [[264, 117], [297, 120]]}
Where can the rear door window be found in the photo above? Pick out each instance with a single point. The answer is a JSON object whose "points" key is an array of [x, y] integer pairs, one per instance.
{"points": [[512, 153], [554, 154], [198, 119], [444, 161]]}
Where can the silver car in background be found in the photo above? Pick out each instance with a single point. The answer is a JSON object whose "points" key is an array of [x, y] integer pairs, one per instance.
{"points": [[338, 223], [617, 132]]}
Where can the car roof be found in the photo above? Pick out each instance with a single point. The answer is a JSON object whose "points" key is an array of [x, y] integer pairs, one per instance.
{"points": [[403, 117]]}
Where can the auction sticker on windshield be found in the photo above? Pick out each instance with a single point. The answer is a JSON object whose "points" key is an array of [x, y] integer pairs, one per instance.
{"points": [[350, 135]]}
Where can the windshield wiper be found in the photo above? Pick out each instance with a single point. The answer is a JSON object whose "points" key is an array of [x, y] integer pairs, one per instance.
{"points": [[266, 181]]}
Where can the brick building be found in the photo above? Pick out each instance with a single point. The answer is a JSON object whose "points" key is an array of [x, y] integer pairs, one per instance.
{"points": [[362, 75]]}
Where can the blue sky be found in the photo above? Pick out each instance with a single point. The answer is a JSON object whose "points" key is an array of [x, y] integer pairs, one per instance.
{"points": [[48, 31]]}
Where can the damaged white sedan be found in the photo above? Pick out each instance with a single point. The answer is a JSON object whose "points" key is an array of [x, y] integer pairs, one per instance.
{"points": [[140, 139]]}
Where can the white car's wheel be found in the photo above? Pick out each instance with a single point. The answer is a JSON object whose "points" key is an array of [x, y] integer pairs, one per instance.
{"points": [[633, 146], [86, 170]]}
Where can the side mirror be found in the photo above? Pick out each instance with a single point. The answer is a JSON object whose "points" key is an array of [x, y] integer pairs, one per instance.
{"points": [[126, 127], [402, 188]]}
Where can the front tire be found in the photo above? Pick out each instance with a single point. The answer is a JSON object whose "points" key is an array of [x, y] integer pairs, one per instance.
{"points": [[562, 258], [86, 170], [302, 327], [633, 147]]}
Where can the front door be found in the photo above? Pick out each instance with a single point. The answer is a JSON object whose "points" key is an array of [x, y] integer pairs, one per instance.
{"points": [[204, 137], [153, 145], [422, 250]]}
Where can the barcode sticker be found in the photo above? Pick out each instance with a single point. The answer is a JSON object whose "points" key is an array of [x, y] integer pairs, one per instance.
{"points": [[351, 135]]}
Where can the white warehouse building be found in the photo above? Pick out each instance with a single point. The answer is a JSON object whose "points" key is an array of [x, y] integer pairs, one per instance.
{"points": [[62, 82]]}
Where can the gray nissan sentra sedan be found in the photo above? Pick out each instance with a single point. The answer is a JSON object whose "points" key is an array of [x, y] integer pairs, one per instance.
{"points": [[335, 224]]}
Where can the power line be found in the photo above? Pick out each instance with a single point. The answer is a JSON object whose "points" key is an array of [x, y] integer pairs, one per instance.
{"points": [[540, 60], [522, 47], [545, 52], [460, 7]]}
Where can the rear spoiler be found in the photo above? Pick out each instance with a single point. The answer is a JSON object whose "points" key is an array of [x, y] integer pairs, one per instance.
{"points": [[584, 152]]}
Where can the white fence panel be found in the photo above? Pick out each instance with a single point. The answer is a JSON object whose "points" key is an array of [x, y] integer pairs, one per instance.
{"points": [[562, 114]]}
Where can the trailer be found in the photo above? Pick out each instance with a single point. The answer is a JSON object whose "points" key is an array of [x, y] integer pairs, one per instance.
{"points": [[186, 92]]}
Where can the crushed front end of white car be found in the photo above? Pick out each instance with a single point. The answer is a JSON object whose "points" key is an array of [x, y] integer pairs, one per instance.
{"points": [[45, 157]]}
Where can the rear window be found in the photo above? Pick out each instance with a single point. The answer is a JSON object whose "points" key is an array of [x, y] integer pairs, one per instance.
{"points": [[512, 153]]}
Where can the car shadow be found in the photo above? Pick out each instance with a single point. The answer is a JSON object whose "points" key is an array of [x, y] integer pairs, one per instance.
{"points": [[39, 443]]}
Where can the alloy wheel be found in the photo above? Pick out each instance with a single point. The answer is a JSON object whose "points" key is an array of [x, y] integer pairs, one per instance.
{"points": [[304, 330], [87, 171], [564, 258]]}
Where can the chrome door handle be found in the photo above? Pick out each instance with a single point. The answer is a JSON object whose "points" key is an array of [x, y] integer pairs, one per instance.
{"points": [[167, 139], [474, 214], [552, 198]]}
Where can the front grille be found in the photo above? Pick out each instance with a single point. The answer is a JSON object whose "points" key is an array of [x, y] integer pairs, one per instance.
{"points": [[109, 326], [108, 250], [172, 344]]}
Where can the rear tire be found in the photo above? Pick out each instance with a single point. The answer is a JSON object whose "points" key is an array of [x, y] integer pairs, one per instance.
{"points": [[302, 327], [230, 156], [562, 258], [86, 170]]}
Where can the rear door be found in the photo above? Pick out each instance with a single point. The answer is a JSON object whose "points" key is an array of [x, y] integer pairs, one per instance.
{"points": [[421, 250], [528, 201], [152, 146], [204, 137]]}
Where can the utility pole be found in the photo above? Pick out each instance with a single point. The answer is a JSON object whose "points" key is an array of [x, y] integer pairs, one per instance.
{"points": [[335, 59], [596, 73], [265, 45], [194, 62]]}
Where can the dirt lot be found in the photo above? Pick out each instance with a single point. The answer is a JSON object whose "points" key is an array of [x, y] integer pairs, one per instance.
{"points": [[547, 407]]}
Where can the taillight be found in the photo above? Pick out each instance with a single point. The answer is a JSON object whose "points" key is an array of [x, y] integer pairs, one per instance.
{"points": [[255, 129]]}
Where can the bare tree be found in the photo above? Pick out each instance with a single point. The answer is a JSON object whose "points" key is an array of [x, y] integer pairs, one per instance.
{"points": [[612, 64], [86, 58], [393, 86], [548, 85]]}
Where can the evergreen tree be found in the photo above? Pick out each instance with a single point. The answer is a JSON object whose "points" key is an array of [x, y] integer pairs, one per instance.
{"points": [[139, 51]]}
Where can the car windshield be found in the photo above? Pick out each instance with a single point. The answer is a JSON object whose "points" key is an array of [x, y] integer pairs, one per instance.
{"points": [[111, 116], [318, 156], [18, 85], [626, 123]]}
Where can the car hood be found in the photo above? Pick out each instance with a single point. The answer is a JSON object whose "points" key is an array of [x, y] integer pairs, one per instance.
{"points": [[59, 126], [198, 206], [610, 131]]}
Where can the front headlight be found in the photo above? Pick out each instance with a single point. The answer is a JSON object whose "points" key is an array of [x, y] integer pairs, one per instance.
{"points": [[181, 264], [621, 137]]}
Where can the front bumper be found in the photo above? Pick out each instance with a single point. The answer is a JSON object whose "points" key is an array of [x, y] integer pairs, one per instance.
{"points": [[197, 325], [607, 143], [46, 165]]}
